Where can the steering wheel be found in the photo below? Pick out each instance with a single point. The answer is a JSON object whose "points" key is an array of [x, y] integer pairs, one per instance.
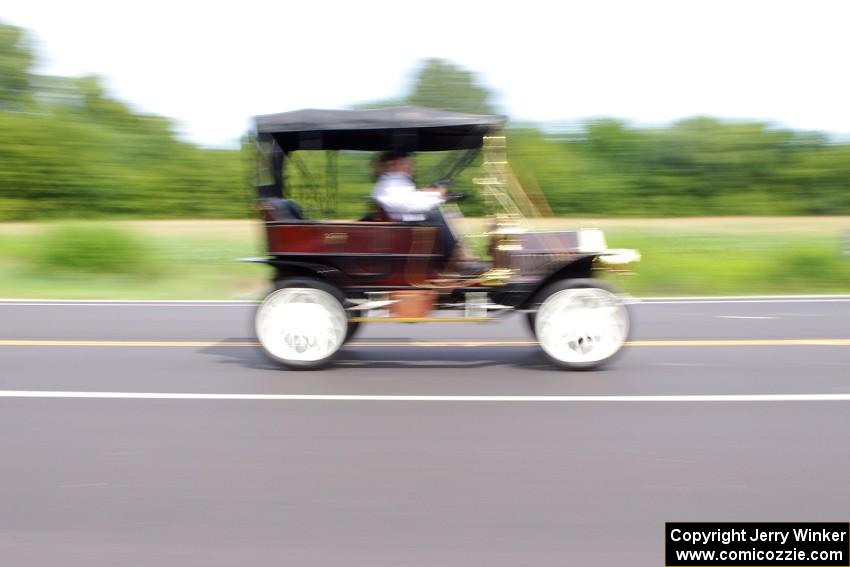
{"points": [[450, 196], [456, 196]]}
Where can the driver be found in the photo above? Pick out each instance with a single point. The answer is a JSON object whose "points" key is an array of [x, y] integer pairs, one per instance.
{"points": [[396, 193]]}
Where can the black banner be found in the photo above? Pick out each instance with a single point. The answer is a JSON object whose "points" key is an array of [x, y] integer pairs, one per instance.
{"points": [[762, 544]]}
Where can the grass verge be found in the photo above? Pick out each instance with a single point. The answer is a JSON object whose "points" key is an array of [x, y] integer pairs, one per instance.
{"points": [[197, 259]]}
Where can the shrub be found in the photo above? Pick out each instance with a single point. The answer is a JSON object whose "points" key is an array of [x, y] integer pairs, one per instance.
{"points": [[94, 249], [821, 267]]}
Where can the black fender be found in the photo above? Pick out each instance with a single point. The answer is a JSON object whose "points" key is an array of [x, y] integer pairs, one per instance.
{"points": [[581, 267], [298, 268]]}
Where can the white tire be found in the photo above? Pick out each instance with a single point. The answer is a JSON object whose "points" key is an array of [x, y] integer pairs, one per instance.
{"points": [[301, 327], [580, 324]]}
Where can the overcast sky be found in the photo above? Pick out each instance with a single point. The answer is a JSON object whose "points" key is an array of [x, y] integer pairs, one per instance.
{"points": [[211, 65]]}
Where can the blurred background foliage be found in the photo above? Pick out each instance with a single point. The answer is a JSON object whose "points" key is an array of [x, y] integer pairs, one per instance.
{"points": [[70, 150]]}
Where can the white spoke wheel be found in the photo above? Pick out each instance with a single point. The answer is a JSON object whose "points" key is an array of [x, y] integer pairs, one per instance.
{"points": [[580, 324], [303, 324]]}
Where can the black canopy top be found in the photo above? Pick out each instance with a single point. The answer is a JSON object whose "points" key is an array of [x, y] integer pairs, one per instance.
{"points": [[408, 128]]}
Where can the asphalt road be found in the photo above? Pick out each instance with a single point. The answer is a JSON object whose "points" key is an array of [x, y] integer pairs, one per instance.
{"points": [[484, 456]]}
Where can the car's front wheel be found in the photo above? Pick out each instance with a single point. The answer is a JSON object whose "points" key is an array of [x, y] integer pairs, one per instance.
{"points": [[302, 324], [580, 324], [353, 327]]}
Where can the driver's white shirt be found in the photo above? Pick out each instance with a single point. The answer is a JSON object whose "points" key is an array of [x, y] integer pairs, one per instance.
{"points": [[397, 194]]}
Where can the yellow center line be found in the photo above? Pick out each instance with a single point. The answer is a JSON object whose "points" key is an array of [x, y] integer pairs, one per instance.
{"points": [[744, 342], [140, 343], [423, 344]]}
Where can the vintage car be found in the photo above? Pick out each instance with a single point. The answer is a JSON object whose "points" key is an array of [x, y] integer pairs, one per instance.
{"points": [[330, 276]]}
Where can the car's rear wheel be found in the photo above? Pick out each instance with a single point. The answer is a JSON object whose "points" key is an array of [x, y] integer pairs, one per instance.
{"points": [[580, 324], [303, 323]]}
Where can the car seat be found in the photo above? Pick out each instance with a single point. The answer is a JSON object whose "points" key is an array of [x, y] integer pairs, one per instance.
{"points": [[278, 209]]}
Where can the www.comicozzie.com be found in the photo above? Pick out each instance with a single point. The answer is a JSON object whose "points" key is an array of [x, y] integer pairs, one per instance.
{"points": [[807, 544]]}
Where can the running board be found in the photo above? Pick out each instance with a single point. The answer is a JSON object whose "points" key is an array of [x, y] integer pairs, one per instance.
{"points": [[370, 305], [422, 319]]}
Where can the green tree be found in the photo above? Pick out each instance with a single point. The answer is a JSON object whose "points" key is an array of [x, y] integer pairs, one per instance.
{"points": [[79, 152], [442, 84], [16, 59]]}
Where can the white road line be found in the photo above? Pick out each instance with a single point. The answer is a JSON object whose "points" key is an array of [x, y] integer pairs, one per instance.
{"points": [[130, 301], [844, 342], [729, 301], [413, 398], [134, 303], [841, 296], [742, 317], [246, 302]]}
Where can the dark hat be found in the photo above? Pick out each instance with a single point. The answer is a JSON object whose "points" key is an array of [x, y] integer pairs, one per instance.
{"points": [[392, 155]]}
